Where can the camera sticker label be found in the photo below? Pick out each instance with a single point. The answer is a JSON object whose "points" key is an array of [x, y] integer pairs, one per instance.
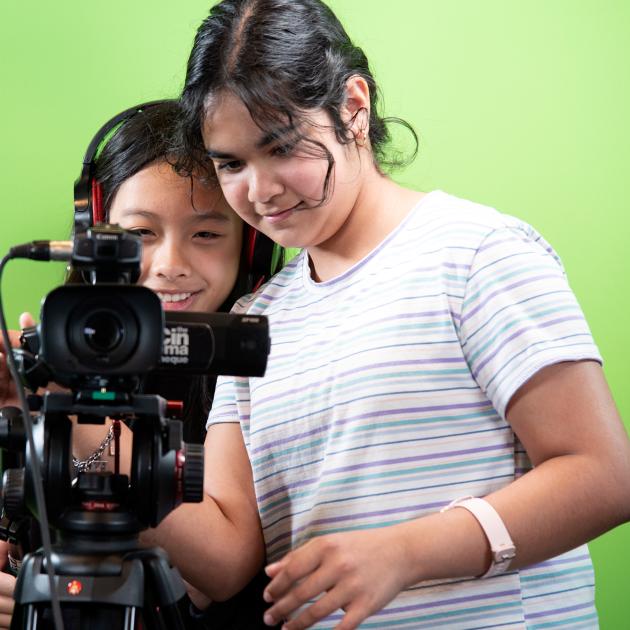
{"points": [[176, 348]]}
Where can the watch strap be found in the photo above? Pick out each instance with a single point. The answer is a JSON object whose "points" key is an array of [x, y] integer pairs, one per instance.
{"points": [[501, 545]]}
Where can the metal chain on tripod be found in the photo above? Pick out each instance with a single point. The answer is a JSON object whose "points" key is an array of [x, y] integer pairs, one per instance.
{"points": [[85, 464]]}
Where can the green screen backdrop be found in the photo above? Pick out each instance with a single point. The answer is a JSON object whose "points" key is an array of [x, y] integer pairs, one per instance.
{"points": [[523, 105]]}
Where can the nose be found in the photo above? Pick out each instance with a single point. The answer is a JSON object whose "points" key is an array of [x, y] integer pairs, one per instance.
{"points": [[170, 261], [263, 186]]}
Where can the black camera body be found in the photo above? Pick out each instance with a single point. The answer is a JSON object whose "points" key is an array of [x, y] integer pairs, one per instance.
{"points": [[108, 333]]}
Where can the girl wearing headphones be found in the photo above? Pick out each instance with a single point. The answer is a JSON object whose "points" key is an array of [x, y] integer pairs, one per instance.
{"points": [[433, 441]]}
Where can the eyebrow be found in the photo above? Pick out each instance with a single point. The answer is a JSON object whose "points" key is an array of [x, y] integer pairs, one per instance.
{"points": [[212, 215], [267, 139], [273, 136]]}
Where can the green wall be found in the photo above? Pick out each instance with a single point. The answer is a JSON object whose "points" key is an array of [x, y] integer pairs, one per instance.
{"points": [[521, 104]]}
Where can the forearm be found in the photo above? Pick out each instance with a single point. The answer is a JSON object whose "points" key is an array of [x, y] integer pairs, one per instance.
{"points": [[212, 552], [564, 502]]}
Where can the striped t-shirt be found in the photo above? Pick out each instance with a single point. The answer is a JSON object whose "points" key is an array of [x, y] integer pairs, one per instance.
{"points": [[385, 397]]}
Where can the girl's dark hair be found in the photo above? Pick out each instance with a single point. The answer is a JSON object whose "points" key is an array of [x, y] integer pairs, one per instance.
{"points": [[282, 59], [147, 136]]}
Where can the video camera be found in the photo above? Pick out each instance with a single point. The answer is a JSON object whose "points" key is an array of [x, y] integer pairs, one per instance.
{"points": [[110, 332], [100, 340]]}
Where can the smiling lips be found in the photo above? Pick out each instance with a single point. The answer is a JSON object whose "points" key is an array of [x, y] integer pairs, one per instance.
{"points": [[280, 216], [176, 301]]}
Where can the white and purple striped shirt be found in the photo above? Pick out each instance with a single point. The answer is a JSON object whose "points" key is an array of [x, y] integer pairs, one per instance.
{"points": [[385, 397]]}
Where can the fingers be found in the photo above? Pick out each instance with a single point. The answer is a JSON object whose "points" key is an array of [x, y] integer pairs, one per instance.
{"points": [[300, 593], [292, 568], [357, 572], [26, 320], [356, 611], [14, 337], [7, 387], [7, 586], [355, 614], [323, 607]]}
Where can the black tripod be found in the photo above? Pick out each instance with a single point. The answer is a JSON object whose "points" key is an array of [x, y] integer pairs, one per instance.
{"points": [[103, 579]]}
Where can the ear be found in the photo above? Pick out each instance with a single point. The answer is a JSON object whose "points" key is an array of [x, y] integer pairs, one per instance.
{"points": [[356, 109]]}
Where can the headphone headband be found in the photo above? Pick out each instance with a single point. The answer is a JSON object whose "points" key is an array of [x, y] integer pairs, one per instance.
{"points": [[86, 194]]}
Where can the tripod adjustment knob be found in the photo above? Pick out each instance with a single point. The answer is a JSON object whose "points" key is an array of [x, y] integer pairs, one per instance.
{"points": [[13, 492], [192, 491]]}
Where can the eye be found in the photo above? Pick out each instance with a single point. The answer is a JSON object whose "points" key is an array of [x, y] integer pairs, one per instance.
{"points": [[229, 167], [143, 233], [284, 150], [206, 235]]}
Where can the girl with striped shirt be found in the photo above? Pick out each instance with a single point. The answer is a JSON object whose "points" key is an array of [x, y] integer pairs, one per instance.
{"points": [[434, 440]]}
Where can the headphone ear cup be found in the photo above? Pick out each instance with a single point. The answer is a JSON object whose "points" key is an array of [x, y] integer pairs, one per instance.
{"points": [[98, 216], [83, 199]]}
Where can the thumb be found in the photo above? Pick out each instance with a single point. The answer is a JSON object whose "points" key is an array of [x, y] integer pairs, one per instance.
{"points": [[26, 320]]}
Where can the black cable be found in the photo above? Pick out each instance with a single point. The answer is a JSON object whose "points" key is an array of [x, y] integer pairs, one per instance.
{"points": [[36, 471]]}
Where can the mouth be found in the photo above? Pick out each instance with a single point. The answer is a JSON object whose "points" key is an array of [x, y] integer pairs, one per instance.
{"points": [[177, 301], [276, 217]]}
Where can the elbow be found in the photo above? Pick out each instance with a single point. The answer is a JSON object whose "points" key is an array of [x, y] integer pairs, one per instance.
{"points": [[624, 494], [235, 573], [615, 486], [234, 581]]}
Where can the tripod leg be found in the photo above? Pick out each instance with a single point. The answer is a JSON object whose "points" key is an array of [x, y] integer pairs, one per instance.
{"points": [[164, 588], [130, 619]]}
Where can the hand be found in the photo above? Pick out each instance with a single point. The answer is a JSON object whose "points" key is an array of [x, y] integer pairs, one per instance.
{"points": [[8, 393], [7, 586], [358, 571]]}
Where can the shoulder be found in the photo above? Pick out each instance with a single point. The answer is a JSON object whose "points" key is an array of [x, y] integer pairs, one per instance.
{"points": [[450, 222], [462, 216]]}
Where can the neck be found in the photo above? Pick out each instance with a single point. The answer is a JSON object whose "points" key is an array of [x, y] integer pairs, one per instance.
{"points": [[380, 206]]}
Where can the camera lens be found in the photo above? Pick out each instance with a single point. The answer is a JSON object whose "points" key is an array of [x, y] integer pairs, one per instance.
{"points": [[103, 331], [95, 332]]}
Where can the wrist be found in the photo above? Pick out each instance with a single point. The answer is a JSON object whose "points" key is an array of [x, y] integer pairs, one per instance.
{"points": [[503, 550], [444, 545]]}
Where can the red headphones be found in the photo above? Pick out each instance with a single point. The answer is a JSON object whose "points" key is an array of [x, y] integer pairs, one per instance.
{"points": [[260, 254]]}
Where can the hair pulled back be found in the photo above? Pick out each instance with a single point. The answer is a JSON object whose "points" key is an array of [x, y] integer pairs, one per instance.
{"points": [[282, 59]]}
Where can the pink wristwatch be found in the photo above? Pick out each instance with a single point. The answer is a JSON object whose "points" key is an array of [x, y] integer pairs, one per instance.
{"points": [[501, 545]]}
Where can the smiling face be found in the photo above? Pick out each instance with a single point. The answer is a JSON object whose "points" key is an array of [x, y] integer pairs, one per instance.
{"points": [[191, 242], [277, 181]]}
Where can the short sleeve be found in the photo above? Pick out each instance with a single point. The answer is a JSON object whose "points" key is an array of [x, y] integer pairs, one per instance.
{"points": [[224, 408], [519, 314], [225, 403]]}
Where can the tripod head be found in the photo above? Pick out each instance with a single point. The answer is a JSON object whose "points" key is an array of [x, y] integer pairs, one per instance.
{"points": [[164, 470]]}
